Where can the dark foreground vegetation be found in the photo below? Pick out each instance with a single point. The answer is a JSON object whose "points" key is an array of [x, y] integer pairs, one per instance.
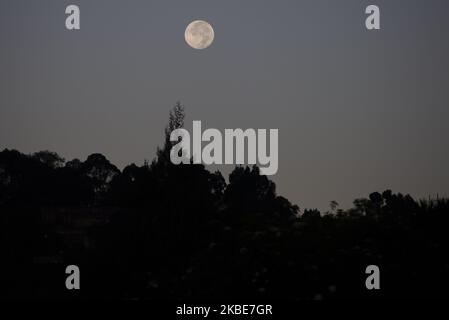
{"points": [[160, 231]]}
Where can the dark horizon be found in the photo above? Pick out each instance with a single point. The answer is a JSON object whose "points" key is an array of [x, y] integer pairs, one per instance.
{"points": [[164, 232]]}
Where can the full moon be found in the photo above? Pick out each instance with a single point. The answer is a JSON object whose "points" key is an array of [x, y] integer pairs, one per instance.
{"points": [[199, 34]]}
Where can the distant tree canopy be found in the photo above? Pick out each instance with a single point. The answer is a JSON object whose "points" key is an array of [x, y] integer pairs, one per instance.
{"points": [[50, 159], [45, 178], [182, 231]]}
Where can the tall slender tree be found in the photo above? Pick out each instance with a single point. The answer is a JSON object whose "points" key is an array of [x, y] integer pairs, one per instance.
{"points": [[175, 121]]}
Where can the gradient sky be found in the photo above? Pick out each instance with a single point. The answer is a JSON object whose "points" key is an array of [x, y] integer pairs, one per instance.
{"points": [[358, 111]]}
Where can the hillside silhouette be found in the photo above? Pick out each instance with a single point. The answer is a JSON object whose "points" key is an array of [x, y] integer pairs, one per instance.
{"points": [[161, 231]]}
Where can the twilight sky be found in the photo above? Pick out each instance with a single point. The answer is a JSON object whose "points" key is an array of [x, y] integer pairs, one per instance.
{"points": [[357, 111]]}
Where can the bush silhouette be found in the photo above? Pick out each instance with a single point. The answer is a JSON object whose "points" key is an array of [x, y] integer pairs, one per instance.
{"points": [[166, 231]]}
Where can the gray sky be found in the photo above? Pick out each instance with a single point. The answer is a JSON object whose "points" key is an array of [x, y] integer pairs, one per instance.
{"points": [[357, 111]]}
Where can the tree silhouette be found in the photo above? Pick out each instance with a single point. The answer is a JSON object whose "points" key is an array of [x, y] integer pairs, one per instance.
{"points": [[164, 231], [100, 171], [334, 205], [175, 121], [50, 159]]}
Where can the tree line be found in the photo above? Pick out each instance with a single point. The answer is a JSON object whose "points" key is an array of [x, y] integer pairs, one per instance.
{"points": [[180, 231]]}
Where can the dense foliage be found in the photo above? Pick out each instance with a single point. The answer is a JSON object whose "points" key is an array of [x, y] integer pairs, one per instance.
{"points": [[165, 231]]}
